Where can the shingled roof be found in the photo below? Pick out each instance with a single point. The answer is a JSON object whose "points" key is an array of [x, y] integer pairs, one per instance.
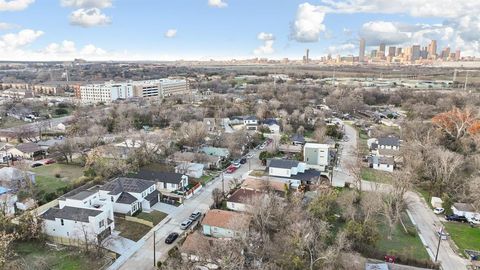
{"points": [[124, 184], [165, 177], [71, 213]]}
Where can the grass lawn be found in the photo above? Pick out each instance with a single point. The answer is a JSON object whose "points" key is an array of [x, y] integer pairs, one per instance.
{"points": [[155, 216], [8, 122], [373, 175], [402, 243], [257, 173], [35, 255], [131, 230], [464, 236], [205, 179], [67, 172], [49, 184]]}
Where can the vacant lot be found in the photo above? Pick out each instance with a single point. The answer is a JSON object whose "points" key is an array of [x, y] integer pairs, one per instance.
{"points": [[64, 171], [131, 230], [51, 179], [402, 243], [8, 122], [373, 175], [36, 255], [464, 236], [155, 216]]}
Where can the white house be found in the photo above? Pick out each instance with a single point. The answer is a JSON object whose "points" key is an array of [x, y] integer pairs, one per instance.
{"points": [[316, 155], [194, 170], [390, 142], [224, 224], [284, 168], [465, 210], [251, 123], [79, 216], [164, 180], [382, 163], [130, 195]]}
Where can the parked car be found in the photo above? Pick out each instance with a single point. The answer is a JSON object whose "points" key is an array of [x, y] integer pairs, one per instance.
{"points": [[243, 161], [171, 238], [50, 161], [231, 169], [249, 156], [261, 147], [474, 221], [195, 215], [34, 165], [185, 224], [438, 210], [456, 218]]}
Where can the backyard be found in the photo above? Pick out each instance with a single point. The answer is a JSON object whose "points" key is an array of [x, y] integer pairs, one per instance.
{"points": [[155, 216], [36, 255], [464, 236], [53, 178], [131, 230]]}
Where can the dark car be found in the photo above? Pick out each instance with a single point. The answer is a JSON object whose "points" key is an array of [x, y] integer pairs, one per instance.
{"points": [[36, 165], [456, 218], [171, 238], [243, 161]]}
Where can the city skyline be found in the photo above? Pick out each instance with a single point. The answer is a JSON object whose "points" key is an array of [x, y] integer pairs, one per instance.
{"points": [[43, 30]]}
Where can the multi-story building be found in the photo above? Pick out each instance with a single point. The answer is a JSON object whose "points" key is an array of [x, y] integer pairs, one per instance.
{"points": [[106, 93], [361, 54], [111, 91]]}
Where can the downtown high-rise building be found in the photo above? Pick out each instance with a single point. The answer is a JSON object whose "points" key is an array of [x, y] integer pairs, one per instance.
{"points": [[415, 52], [432, 49], [399, 51], [361, 53], [391, 51], [381, 49], [457, 54]]}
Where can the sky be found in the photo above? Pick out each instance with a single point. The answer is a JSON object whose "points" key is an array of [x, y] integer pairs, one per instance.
{"points": [[44, 30]]}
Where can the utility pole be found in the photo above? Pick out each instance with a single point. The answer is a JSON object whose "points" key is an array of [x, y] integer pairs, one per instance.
{"points": [[439, 241], [223, 185], [154, 253], [466, 81]]}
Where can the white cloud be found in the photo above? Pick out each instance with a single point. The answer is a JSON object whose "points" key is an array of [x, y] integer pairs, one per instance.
{"points": [[217, 3], [14, 5], [376, 32], [89, 17], [267, 47], [171, 33], [12, 41], [91, 50], [66, 47], [86, 3], [7, 26], [309, 23], [344, 49]]}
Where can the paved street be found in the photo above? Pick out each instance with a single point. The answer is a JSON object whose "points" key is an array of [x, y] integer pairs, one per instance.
{"points": [[141, 254], [427, 222]]}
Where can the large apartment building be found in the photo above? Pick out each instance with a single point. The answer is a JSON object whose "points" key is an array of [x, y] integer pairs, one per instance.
{"points": [[111, 91]]}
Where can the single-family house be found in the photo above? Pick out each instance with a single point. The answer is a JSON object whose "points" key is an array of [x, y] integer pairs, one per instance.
{"points": [[284, 167], [79, 216], [224, 224], [298, 139], [272, 125], [316, 156], [130, 195], [28, 150], [194, 170], [390, 142], [465, 210], [242, 199], [208, 161], [382, 163], [164, 180], [251, 123], [47, 144], [265, 185], [223, 153]]}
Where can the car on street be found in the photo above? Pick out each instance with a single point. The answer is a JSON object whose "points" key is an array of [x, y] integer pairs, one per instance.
{"points": [[474, 221], [438, 210], [236, 164], [243, 161], [249, 156], [261, 147], [171, 238], [456, 218], [34, 165], [195, 215], [231, 169], [186, 224]]}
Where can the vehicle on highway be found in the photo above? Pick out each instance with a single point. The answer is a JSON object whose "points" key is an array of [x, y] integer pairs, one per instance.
{"points": [[243, 161], [231, 169], [34, 165], [50, 161], [171, 238], [186, 224], [438, 210], [456, 218], [195, 215]]}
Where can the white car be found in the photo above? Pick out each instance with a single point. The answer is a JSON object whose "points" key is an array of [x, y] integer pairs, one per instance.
{"points": [[249, 156], [438, 210], [474, 220]]}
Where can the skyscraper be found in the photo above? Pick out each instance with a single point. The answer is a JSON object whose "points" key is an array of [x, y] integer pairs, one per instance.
{"points": [[391, 51], [415, 52], [361, 53], [457, 54], [373, 53], [432, 49], [382, 48], [399, 51]]}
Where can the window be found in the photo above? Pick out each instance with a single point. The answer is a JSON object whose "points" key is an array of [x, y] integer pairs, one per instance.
{"points": [[61, 222], [111, 198], [101, 223]]}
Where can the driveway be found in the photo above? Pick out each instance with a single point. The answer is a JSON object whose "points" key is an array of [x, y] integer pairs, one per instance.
{"points": [[165, 208], [117, 243]]}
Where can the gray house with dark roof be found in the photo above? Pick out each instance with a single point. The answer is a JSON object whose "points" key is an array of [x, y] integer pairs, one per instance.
{"points": [[164, 180], [389, 142], [130, 195]]}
